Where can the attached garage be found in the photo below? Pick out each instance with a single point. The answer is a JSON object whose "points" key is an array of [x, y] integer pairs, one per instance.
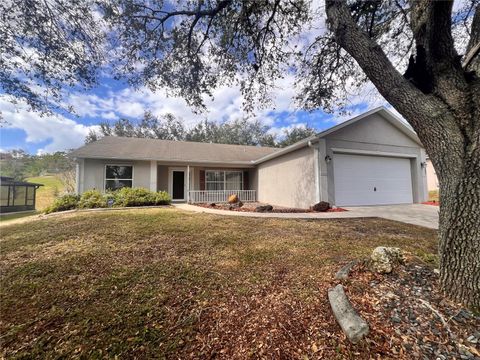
{"points": [[372, 159], [372, 180]]}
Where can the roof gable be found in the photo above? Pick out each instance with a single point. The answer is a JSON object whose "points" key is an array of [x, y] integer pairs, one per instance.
{"points": [[380, 112], [374, 129]]}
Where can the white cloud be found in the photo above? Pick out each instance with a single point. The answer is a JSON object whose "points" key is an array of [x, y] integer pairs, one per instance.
{"points": [[62, 133], [280, 131], [109, 115], [227, 104]]}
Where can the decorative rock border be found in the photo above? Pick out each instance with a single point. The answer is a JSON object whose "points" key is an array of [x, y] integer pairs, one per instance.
{"points": [[351, 323]]}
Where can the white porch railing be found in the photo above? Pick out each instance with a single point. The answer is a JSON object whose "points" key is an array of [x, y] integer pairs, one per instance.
{"points": [[219, 196]]}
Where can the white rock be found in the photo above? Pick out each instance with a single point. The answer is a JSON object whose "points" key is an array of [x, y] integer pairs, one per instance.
{"points": [[385, 258]]}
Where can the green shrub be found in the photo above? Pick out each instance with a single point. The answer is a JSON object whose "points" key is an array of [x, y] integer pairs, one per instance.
{"points": [[140, 197], [162, 198], [63, 203], [92, 199], [124, 197]]}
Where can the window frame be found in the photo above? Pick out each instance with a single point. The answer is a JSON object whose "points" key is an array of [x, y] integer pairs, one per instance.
{"points": [[224, 182], [105, 179]]}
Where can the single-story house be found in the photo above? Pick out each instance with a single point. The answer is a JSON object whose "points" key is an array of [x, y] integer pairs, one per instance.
{"points": [[371, 159]]}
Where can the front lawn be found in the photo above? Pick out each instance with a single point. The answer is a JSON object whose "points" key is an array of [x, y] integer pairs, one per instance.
{"points": [[156, 283], [18, 215], [46, 194]]}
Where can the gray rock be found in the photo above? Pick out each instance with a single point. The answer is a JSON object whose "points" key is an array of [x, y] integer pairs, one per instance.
{"points": [[343, 273], [384, 259], [472, 339], [264, 208], [322, 206], [396, 319], [351, 323]]}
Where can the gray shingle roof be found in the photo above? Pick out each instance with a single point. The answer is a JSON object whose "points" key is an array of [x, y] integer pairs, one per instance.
{"points": [[112, 147]]}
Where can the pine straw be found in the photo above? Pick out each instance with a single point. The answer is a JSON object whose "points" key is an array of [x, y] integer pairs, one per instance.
{"points": [[161, 283]]}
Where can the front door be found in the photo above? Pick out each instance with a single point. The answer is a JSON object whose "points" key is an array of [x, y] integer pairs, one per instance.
{"points": [[178, 185]]}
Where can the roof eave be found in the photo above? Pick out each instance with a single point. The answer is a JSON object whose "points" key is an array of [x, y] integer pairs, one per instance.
{"points": [[298, 145], [247, 163]]}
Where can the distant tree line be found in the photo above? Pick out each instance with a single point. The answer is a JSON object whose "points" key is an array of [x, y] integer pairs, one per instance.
{"points": [[167, 127], [20, 165]]}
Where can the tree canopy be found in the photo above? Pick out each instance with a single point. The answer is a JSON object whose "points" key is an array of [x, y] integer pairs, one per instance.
{"points": [[238, 132]]}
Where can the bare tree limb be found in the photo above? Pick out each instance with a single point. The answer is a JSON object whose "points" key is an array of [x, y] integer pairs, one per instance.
{"points": [[473, 47]]}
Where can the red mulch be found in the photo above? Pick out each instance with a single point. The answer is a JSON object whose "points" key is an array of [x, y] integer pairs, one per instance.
{"points": [[249, 208], [337, 210], [434, 203]]}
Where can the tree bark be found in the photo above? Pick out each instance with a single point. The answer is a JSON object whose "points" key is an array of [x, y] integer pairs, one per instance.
{"points": [[447, 122], [459, 234]]}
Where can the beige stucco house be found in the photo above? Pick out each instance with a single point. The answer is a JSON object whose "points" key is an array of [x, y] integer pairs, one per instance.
{"points": [[372, 159]]}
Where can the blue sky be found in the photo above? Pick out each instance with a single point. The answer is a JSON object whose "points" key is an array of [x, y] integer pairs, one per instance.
{"points": [[114, 99]]}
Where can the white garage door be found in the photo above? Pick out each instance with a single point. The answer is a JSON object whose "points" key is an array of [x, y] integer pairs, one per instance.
{"points": [[371, 180]]}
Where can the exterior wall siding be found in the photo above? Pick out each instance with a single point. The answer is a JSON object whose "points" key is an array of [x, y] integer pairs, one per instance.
{"points": [[288, 180], [94, 173]]}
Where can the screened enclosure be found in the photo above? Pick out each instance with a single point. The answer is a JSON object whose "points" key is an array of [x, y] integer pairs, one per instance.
{"points": [[17, 195]]}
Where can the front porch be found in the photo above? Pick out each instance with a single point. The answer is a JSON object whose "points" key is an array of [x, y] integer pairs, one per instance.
{"points": [[201, 183], [220, 196]]}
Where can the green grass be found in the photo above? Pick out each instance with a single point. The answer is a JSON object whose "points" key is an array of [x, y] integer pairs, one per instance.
{"points": [[433, 195], [160, 283], [46, 193], [8, 217]]}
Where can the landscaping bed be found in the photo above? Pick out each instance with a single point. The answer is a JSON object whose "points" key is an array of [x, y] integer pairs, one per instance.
{"points": [[409, 310], [434, 203], [251, 206]]}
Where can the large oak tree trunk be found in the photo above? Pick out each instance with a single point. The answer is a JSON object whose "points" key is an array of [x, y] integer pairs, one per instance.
{"points": [[459, 234], [446, 116]]}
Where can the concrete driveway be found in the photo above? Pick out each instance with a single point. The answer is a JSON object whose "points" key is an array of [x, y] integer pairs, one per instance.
{"points": [[417, 214]]}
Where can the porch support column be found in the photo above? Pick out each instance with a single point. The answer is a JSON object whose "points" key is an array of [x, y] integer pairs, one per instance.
{"points": [[79, 171], [188, 184], [153, 175], [322, 171]]}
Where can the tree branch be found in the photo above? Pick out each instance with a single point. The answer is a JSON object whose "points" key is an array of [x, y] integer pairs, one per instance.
{"points": [[473, 47], [432, 30], [427, 114]]}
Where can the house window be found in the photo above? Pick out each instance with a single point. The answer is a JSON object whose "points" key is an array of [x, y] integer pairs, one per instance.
{"points": [[118, 176], [223, 180]]}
